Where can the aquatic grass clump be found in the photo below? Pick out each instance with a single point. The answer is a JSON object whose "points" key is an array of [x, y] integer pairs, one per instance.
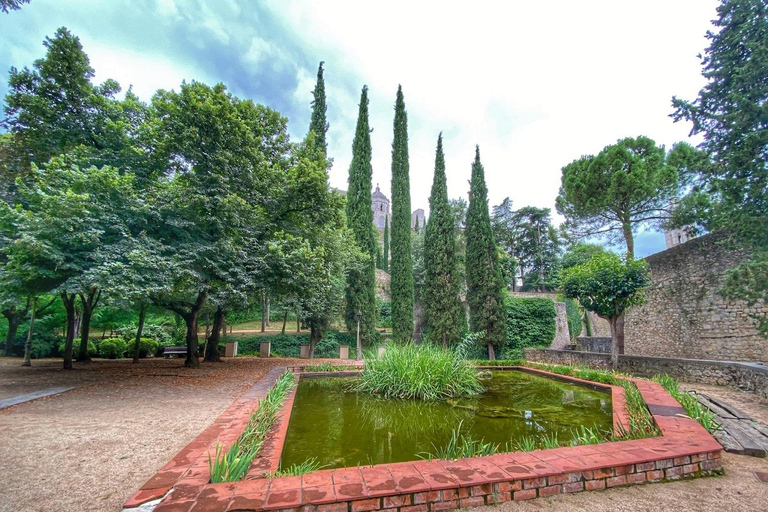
{"points": [[233, 464], [425, 372], [460, 446], [308, 466]]}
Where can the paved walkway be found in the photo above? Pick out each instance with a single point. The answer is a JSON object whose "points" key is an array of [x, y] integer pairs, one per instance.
{"points": [[20, 399]]}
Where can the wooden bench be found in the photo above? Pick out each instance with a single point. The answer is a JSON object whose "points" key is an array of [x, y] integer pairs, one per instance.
{"points": [[177, 351]]}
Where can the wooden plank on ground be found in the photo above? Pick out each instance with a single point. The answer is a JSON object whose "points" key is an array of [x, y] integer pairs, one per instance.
{"points": [[754, 442], [719, 411], [728, 442], [728, 407]]}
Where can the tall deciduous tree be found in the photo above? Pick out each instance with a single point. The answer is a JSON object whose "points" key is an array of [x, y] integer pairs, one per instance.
{"points": [[318, 123], [627, 185], [361, 281], [401, 266], [484, 282], [731, 111], [609, 287], [442, 307]]}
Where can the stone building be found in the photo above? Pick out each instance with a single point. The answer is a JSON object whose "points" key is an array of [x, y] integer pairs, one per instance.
{"points": [[380, 206], [418, 215], [673, 237]]}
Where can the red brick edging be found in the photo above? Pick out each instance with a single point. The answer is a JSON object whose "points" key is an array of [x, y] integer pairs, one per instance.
{"points": [[684, 449]]}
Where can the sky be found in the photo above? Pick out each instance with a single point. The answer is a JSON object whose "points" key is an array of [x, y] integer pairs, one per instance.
{"points": [[535, 84]]}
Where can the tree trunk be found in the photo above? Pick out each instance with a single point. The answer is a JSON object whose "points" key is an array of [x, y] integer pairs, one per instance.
{"points": [[315, 335], [224, 325], [268, 308], [78, 323], [207, 324], [298, 322], [89, 304], [212, 347], [14, 318], [620, 334], [491, 352], [613, 321], [285, 321], [69, 306], [263, 308], [190, 319], [142, 315], [27, 361], [630, 239]]}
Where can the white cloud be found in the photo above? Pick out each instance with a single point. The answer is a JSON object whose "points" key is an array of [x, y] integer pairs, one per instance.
{"points": [[146, 73], [535, 84]]}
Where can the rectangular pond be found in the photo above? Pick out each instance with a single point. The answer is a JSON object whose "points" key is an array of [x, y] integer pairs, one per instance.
{"points": [[340, 428]]}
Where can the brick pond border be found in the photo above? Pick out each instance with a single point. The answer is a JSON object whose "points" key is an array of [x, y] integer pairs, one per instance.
{"points": [[684, 450]]}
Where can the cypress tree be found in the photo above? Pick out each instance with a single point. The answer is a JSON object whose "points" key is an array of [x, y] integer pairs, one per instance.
{"points": [[318, 123], [484, 282], [361, 280], [402, 263], [416, 226], [385, 257], [442, 306]]}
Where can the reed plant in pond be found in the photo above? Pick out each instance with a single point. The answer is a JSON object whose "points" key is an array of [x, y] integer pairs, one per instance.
{"points": [[425, 372]]}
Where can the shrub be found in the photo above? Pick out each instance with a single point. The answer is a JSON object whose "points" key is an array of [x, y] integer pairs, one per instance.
{"points": [[92, 352], [159, 333], [574, 314], [112, 348], [289, 345], [425, 372], [147, 347], [530, 323]]}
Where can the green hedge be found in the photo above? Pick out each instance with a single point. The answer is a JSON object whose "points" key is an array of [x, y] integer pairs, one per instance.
{"points": [[289, 345], [574, 314], [530, 323]]}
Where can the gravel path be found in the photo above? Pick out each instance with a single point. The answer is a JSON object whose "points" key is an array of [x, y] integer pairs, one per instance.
{"points": [[90, 448]]}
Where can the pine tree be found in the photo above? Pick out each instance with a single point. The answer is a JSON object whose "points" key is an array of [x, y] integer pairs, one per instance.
{"points": [[402, 263], [385, 257], [318, 122], [484, 282], [442, 306], [361, 280]]}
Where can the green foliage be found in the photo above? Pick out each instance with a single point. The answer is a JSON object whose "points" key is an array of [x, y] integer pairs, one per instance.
{"points": [[147, 347], [425, 372], [460, 446], [606, 285], [690, 403], [627, 185], [442, 306], [234, 464], [318, 122], [361, 280], [749, 282], [730, 113], [289, 345], [385, 313], [580, 253], [385, 256], [484, 282], [112, 348], [574, 314], [92, 348], [401, 264], [530, 322]]}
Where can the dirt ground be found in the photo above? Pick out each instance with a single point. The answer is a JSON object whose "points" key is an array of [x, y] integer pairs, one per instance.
{"points": [[89, 449]]}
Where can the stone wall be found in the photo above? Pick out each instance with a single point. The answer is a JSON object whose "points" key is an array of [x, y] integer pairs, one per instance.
{"points": [[562, 333], [684, 316], [737, 375], [601, 345]]}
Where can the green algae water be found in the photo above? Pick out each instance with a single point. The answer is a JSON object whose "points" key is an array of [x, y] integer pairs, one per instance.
{"points": [[341, 428]]}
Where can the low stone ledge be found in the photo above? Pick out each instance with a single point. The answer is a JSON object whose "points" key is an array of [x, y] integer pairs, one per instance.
{"points": [[750, 377]]}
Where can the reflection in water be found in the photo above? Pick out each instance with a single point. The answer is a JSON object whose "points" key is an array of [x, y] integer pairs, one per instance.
{"points": [[341, 428]]}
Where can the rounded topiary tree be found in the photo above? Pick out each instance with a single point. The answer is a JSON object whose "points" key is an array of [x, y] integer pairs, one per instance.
{"points": [[609, 286]]}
